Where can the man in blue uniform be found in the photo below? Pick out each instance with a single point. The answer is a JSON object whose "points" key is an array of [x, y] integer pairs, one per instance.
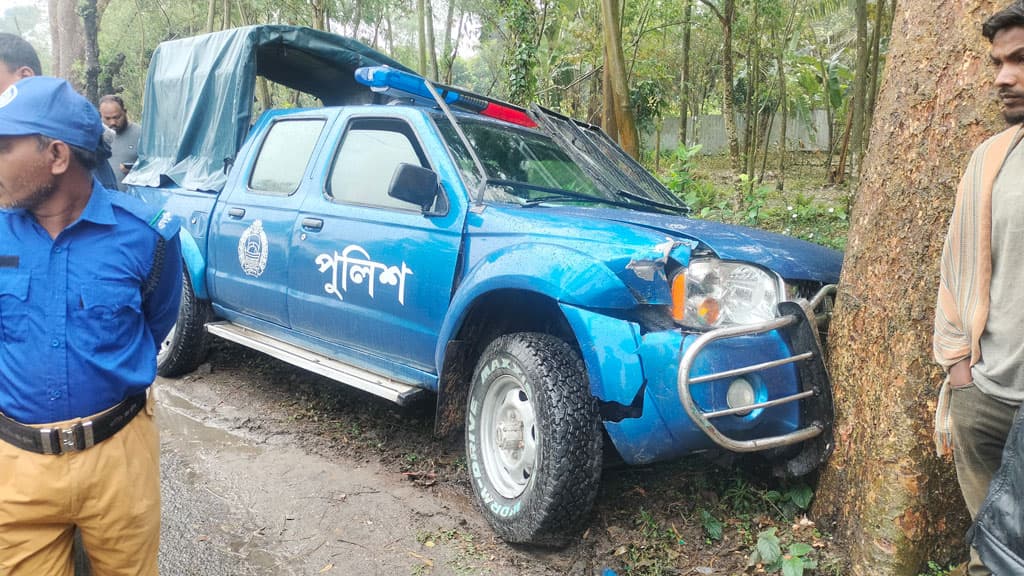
{"points": [[90, 282], [18, 60]]}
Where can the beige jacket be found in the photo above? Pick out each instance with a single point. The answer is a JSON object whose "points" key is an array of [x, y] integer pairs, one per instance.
{"points": [[966, 271]]}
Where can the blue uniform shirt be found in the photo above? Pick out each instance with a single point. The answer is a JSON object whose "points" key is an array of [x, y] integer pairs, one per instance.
{"points": [[76, 334]]}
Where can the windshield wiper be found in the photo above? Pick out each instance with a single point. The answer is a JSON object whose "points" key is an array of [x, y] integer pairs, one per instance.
{"points": [[650, 202], [553, 194]]}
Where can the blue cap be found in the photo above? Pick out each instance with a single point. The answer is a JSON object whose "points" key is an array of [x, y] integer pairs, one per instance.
{"points": [[50, 107]]}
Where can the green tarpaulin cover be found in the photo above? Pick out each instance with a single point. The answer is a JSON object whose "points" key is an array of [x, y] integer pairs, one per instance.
{"points": [[200, 90]]}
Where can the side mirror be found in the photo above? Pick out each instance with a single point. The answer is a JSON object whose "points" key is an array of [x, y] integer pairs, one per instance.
{"points": [[419, 186]]}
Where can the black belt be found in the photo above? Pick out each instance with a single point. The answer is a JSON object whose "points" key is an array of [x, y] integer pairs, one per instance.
{"points": [[78, 437]]}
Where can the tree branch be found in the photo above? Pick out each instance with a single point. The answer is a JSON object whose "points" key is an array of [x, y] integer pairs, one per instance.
{"points": [[718, 13]]}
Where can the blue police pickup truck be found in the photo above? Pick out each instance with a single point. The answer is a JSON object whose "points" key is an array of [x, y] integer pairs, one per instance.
{"points": [[513, 265]]}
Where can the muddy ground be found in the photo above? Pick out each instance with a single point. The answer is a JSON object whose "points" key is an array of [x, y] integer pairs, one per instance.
{"points": [[689, 517]]}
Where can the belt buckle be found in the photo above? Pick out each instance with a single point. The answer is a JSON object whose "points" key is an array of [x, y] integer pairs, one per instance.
{"points": [[66, 440]]}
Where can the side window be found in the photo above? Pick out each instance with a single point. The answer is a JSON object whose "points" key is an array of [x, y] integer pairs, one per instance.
{"points": [[370, 152], [284, 155]]}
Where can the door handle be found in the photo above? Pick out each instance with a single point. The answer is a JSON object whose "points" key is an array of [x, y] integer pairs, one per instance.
{"points": [[236, 212], [312, 224]]}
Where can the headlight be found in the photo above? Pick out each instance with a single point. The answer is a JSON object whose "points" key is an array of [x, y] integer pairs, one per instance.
{"points": [[712, 293]]}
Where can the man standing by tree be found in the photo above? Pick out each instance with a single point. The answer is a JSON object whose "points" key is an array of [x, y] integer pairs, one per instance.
{"points": [[123, 136], [90, 282], [980, 308]]}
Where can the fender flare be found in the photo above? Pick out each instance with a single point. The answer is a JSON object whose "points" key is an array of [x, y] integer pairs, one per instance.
{"points": [[567, 276], [195, 263]]}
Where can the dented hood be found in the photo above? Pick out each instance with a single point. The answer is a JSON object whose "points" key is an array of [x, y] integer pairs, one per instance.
{"points": [[791, 258]]}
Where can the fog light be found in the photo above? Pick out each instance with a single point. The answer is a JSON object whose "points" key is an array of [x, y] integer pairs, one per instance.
{"points": [[740, 394]]}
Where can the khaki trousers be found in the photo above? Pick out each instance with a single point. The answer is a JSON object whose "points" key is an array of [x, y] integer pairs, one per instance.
{"points": [[110, 491]]}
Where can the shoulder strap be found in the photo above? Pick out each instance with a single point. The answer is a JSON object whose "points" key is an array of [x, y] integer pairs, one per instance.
{"points": [[153, 279]]}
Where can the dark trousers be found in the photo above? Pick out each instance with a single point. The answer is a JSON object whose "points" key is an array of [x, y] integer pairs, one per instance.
{"points": [[981, 425]]}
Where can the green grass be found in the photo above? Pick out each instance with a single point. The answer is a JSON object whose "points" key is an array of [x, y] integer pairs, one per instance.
{"points": [[807, 208]]}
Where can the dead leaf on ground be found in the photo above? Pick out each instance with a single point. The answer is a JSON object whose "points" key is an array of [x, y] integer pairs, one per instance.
{"points": [[421, 558], [326, 568], [803, 523]]}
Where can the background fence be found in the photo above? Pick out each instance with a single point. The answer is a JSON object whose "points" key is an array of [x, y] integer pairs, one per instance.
{"points": [[709, 131]]}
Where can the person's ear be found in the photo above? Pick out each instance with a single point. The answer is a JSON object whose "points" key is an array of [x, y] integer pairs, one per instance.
{"points": [[60, 157], [24, 72]]}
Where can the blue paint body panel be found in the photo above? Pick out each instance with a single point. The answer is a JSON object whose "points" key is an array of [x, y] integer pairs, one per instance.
{"points": [[386, 288]]}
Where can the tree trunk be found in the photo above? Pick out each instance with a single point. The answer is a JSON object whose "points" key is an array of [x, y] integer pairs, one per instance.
{"points": [[67, 37], [860, 87], [875, 65], [727, 16], [684, 78], [615, 64], [884, 491], [780, 182], [428, 23], [90, 25], [783, 115], [752, 115], [608, 98], [211, 10], [449, 60], [421, 35]]}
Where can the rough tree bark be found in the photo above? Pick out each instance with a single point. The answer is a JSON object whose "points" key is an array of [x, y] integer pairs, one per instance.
{"points": [[884, 491]]}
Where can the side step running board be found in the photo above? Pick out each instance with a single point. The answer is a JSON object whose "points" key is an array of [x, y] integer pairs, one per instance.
{"points": [[376, 384]]}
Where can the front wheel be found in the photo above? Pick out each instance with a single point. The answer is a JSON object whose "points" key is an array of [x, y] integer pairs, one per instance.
{"points": [[184, 348], [533, 439]]}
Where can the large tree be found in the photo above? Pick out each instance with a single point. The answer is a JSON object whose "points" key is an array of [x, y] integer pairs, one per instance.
{"points": [[884, 490], [67, 36], [615, 67]]}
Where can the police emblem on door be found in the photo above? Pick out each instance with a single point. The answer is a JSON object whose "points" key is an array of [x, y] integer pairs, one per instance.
{"points": [[252, 249]]}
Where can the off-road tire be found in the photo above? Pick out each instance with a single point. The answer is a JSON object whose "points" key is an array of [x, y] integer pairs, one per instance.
{"points": [[184, 349], [542, 377]]}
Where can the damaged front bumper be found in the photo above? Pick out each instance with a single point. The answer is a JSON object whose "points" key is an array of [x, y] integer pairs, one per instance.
{"points": [[665, 393], [799, 324]]}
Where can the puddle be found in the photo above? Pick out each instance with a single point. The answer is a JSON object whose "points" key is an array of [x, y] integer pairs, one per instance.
{"points": [[182, 419]]}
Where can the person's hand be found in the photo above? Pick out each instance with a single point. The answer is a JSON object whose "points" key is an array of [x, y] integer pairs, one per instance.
{"points": [[125, 169], [960, 374]]}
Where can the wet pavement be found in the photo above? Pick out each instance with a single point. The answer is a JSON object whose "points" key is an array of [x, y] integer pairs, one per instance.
{"points": [[238, 503]]}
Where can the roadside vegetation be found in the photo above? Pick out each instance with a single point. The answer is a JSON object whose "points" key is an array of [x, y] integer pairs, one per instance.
{"points": [[808, 208]]}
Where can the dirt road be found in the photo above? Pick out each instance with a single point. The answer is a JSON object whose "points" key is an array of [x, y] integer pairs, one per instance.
{"points": [[251, 485], [270, 470]]}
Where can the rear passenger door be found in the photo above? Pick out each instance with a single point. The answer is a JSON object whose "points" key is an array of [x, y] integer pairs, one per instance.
{"points": [[252, 224], [373, 274]]}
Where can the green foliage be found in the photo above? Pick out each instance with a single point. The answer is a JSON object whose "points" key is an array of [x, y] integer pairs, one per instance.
{"points": [[808, 215], [791, 500], [754, 199], [680, 178], [936, 569], [712, 526], [768, 553], [521, 51], [649, 103]]}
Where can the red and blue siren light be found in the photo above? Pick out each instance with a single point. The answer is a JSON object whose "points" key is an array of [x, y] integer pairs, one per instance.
{"points": [[401, 84]]}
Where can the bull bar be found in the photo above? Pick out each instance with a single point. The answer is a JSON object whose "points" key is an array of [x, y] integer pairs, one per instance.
{"points": [[799, 323]]}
